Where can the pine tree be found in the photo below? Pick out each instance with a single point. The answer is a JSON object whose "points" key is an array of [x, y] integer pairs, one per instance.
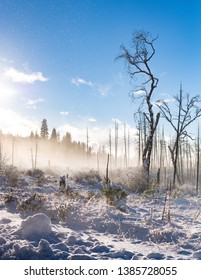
{"points": [[53, 136], [44, 129], [31, 135]]}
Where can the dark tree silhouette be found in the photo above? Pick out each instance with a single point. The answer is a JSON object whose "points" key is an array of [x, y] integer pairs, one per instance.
{"points": [[44, 129], [138, 63], [53, 136], [188, 112]]}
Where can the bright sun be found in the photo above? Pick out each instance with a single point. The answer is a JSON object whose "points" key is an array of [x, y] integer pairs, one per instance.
{"points": [[7, 92]]}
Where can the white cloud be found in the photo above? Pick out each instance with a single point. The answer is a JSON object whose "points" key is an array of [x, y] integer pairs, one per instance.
{"points": [[116, 120], [139, 92], [64, 113], [79, 81], [24, 78], [31, 103], [6, 60], [101, 88], [162, 101], [92, 120], [11, 122]]}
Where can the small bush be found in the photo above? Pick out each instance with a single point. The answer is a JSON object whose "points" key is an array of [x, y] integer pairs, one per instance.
{"points": [[12, 176], [38, 174], [90, 177], [34, 203], [114, 193], [68, 192], [115, 196], [9, 198], [35, 173], [62, 212], [133, 179]]}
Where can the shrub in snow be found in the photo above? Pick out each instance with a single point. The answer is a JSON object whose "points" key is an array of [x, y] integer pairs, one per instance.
{"points": [[133, 179], [90, 177], [12, 176], [36, 226], [114, 192], [38, 174], [62, 212], [166, 235], [10, 197], [33, 203]]}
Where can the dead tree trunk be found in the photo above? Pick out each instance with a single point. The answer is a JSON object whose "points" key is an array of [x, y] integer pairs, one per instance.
{"points": [[198, 161], [116, 142], [188, 112], [139, 65]]}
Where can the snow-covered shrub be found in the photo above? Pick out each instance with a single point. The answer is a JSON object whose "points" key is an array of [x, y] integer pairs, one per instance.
{"points": [[35, 172], [91, 195], [90, 177], [34, 203], [12, 176], [10, 197], [114, 195], [62, 212], [114, 192], [38, 174], [133, 179]]}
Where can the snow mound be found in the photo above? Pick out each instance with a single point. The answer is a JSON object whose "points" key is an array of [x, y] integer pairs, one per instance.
{"points": [[197, 255], [36, 226]]}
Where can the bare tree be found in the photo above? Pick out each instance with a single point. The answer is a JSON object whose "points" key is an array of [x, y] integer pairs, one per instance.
{"points": [[3, 159], [116, 141], [188, 112], [198, 161], [138, 63]]}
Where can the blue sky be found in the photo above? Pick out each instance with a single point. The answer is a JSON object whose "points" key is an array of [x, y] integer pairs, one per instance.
{"points": [[57, 60]]}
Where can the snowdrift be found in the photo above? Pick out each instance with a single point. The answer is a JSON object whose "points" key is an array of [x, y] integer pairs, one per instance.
{"points": [[40, 221]]}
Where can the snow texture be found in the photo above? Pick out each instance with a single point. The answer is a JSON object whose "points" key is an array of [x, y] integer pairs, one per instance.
{"points": [[36, 226], [42, 222]]}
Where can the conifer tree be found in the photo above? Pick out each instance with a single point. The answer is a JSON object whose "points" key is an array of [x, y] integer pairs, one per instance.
{"points": [[44, 129], [53, 136]]}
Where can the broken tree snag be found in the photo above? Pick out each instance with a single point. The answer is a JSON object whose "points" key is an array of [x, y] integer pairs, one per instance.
{"points": [[138, 63]]}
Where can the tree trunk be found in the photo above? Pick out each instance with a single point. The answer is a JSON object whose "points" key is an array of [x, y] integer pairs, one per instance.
{"points": [[198, 162]]}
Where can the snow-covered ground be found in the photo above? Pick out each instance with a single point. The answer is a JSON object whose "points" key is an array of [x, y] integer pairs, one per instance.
{"points": [[39, 221]]}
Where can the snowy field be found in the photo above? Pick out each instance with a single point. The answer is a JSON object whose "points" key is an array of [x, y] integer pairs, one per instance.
{"points": [[39, 220]]}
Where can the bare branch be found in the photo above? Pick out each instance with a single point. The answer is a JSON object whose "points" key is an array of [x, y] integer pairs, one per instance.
{"points": [[138, 64], [188, 112]]}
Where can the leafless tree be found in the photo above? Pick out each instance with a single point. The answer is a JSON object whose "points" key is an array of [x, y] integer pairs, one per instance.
{"points": [[138, 63], [188, 112], [198, 161]]}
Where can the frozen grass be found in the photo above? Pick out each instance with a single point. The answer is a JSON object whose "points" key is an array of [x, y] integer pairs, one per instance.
{"points": [[39, 221]]}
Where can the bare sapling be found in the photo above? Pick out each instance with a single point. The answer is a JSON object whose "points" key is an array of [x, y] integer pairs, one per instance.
{"points": [[107, 180], [165, 202], [169, 215], [198, 161]]}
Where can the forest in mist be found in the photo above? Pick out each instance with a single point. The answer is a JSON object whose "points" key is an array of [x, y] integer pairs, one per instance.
{"points": [[48, 151]]}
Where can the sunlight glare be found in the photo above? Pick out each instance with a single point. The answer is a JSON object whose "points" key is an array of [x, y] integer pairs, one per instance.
{"points": [[7, 92]]}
